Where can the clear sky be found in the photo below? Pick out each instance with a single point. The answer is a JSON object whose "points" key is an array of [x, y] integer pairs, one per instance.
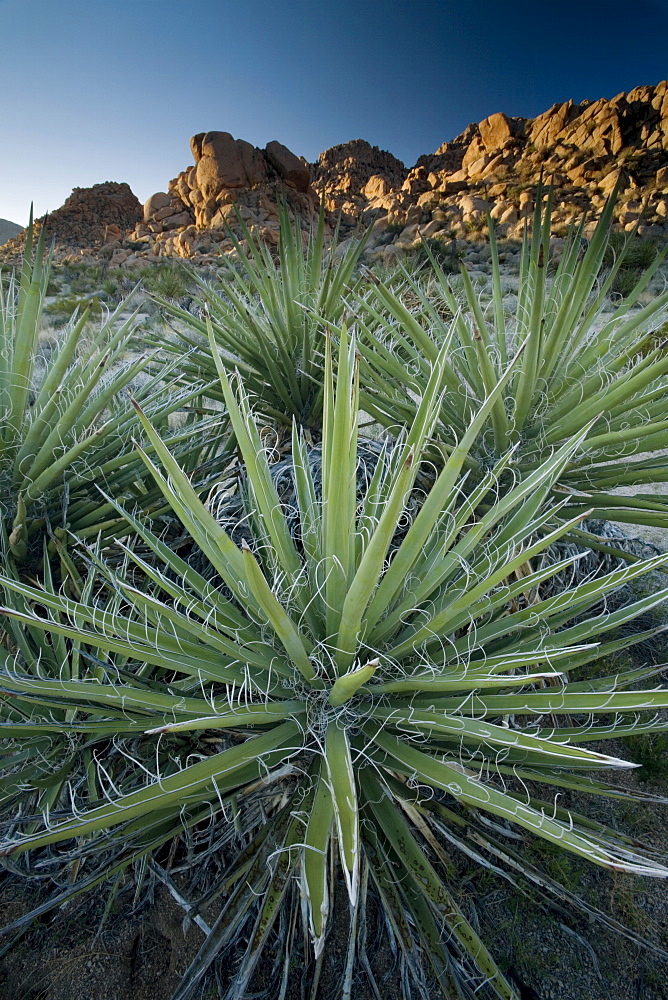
{"points": [[95, 91]]}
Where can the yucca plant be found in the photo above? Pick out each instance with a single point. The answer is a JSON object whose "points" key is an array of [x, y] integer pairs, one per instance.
{"points": [[384, 681], [582, 366], [67, 427], [269, 317]]}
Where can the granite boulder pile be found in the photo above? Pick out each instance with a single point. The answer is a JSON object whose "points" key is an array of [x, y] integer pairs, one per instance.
{"points": [[89, 220], [354, 173], [584, 150], [230, 180]]}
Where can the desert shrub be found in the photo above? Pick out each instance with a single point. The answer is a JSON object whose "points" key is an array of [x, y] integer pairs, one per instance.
{"points": [[67, 425], [339, 684], [633, 256], [635, 253], [579, 373], [446, 254], [270, 316], [626, 280], [650, 750], [110, 286], [83, 278], [62, 310], [476, 226], [170, 280]]}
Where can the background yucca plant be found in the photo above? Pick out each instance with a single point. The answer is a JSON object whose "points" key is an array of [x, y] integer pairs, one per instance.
{"points": [[383, 683], [582, 365], [269, 316], [67, 422]]}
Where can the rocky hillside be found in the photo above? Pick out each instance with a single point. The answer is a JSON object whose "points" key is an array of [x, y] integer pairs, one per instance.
{"points": [[8, 229], [353, 173], [584, 150], [89, 218]]}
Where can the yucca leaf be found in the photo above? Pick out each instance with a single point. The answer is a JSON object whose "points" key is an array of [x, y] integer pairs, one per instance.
{"points": [[454, 779], [341, 779], [31, 298], [235, 913], [216, 771], [339, 464], [257, 471], [315, 860], [471, 730], [346, 685], [295, 643], [214, 541], [428, 884]]}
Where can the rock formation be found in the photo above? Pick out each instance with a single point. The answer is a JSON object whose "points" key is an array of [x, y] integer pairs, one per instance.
{"points": [[352, 173], [584, 150], [230, 180], [89, 219]]}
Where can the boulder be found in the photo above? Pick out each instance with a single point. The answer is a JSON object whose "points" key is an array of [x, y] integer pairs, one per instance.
{"points": [[166, 211], [546, 128], [509, 216], [112, 234], [619, 176], [478, 167], [471, 206], [155, 203], [178, 220], [376, 187], [495, 131], [220, 164], [254, 164], [475, 150], [289, 167]]}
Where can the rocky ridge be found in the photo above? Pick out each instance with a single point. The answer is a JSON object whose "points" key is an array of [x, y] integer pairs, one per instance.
{"points": [[90, 218], [584, 150]]}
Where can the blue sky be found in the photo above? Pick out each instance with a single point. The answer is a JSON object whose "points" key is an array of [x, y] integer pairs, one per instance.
{"points": [[97, 91]]}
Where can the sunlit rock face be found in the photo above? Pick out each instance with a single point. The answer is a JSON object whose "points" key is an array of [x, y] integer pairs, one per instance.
{"points": [[232, 178], [583, 150], [354, 174], [85, 221]]}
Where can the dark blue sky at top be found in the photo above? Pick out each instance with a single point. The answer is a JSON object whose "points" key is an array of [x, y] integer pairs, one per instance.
{"points": [[113, 90]]}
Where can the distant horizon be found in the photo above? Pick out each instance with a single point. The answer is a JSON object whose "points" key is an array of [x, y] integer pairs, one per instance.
{"points": [[136, 80]]}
